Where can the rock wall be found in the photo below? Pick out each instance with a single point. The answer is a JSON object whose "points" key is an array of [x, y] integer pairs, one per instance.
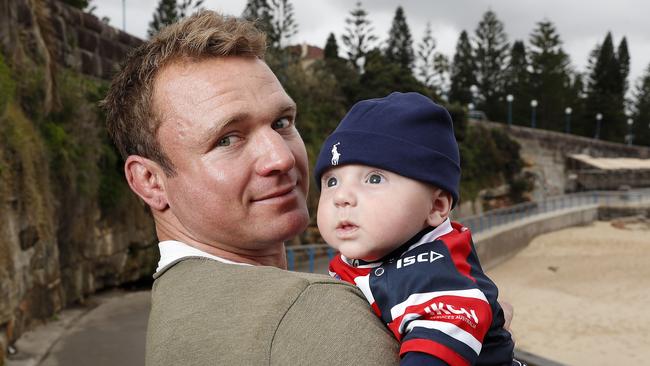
{"points": [[58, 244], [545, 153]]}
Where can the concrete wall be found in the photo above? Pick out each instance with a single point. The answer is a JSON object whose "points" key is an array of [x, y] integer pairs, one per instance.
{"points": [[503, 242]]}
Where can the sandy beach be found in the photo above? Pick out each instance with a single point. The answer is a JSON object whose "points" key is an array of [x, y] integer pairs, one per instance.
{"points": [[582, 295]]}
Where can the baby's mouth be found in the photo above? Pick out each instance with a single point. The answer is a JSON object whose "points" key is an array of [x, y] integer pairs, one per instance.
{"points": [[346, 228]]}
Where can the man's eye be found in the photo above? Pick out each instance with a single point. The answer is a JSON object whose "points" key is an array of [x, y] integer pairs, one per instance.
{"points": [[281, 123], [225, 141], [374, 179], [331, 182]]}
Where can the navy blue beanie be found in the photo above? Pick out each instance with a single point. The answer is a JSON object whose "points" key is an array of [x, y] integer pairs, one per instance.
{"points": [[405, 133]]}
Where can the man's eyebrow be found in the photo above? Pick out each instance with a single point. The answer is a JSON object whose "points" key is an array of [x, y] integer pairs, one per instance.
{"points": [[214, 131]]}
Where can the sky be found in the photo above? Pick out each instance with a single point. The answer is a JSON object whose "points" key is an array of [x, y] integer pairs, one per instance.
{"points": [[581, 24]]}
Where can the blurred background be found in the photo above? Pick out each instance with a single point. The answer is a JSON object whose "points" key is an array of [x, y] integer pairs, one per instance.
{"points": [[551, 108]]}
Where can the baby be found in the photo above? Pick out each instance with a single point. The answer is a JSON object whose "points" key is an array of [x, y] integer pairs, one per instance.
{"points": [[389, 177]]}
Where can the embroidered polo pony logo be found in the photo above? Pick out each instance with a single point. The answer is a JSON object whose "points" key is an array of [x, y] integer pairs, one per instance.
{"points": [[335, 154]]}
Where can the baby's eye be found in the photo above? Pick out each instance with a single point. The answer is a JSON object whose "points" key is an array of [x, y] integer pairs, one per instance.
{"points": [[331, 182], [374, 179]]}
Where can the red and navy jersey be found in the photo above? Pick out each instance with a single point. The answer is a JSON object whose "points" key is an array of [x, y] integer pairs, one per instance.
{"points": [[434, 296]]}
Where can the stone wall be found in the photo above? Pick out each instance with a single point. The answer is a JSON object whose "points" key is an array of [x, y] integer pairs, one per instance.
{"points": [[78, 40], [56, 246], [545, 153]]}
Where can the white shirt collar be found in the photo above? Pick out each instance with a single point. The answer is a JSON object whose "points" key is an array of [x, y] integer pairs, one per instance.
{"points": [[172, 250]]}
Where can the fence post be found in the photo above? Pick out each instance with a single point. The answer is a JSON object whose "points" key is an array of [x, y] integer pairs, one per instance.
{"points": [[311, 251], [290, 259]]}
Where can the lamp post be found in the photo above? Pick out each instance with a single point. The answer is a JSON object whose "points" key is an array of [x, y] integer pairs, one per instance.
{"points": [[599, 116], [509, 98], [567, 115], [630, 135], [533, 105]]}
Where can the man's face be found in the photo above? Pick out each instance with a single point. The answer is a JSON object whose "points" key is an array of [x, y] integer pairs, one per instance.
{"points": [[241, 166], [366, 212]]}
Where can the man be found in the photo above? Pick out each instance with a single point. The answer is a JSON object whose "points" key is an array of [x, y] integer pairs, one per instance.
{"points": [[210, 145]]}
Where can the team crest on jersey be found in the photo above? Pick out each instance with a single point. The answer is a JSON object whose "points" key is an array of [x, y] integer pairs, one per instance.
{"points": [[335, 154]]}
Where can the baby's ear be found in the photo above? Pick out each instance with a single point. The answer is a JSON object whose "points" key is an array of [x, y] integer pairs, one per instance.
{"points": [[440, 207]]}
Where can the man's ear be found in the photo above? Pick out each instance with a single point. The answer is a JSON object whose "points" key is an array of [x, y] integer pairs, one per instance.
{"points": [[145, 177], [440, 207]]}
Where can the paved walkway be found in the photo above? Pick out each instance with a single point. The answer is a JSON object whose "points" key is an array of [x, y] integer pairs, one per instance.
{"points": [[109, 331]]}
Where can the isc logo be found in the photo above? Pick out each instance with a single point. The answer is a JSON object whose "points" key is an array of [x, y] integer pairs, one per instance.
{"points": [[422, 257]]}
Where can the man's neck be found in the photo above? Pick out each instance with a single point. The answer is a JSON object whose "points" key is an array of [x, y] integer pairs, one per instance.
{"points": [[273, 255]]}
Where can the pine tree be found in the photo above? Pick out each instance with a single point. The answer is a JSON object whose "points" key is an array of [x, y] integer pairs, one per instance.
{"points": [[399, 47], [331, 50], [441, 69], [425, 53], [166, 13], [550, 78], [518, 83], [605, 95], [284, 26], [259, 11], [491, 54], [641, 110], [358, 38], [170, 11], [624, 61], [463, 70]]}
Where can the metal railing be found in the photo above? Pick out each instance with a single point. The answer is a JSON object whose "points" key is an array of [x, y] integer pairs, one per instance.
{"points": [[307, 257]]}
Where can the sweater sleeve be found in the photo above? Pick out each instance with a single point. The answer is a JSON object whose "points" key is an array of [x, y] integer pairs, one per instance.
{"points": [[332, 324]]}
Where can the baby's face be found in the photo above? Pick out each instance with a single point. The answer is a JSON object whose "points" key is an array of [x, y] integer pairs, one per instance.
{"points": [[366, 212]]}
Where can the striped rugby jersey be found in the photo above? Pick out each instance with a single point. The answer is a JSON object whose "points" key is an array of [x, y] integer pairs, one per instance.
{"points": [[433, 295]]}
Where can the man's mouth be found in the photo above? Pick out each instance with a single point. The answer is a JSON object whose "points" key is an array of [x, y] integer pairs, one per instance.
{"points": [[277, 193]]}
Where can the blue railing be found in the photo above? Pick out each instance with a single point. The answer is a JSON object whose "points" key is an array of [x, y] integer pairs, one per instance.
{"points": [[305, 257]]}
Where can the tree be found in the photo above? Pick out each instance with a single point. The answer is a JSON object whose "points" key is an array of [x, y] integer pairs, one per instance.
{"points": [[605, 94], [425, 53], [518, 83], [399, 47], [550, 75], [284, 26], [641, 110], [259, 11], [491, 53], [358, 37], [463, 70], [331, 48], [169, 11], [441, 69], [382, 77], [624, 62]]}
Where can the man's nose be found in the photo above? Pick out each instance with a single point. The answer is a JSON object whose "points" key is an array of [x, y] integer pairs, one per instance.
{"points": [[275, 154], [344, 196]]}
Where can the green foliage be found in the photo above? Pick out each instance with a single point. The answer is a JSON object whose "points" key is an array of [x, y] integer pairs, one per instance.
{"points": [[641, 110], [425, 53], [490, 57], [382, 77], [170, 11], [550, 78], [275, 18], [331, 50], [7, 85], [606, 90], [399, 49], [518, 84], [490, 158], [358, 38], [463, 72]]}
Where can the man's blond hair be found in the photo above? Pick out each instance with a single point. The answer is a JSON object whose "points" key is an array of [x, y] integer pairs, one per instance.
{"points": [[131, 119]]}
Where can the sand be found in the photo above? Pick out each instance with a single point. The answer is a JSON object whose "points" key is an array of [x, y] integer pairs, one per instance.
{"points": [[582, 295]]}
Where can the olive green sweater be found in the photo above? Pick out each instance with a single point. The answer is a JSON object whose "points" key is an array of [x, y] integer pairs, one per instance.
{"points": [[205, 312]]}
